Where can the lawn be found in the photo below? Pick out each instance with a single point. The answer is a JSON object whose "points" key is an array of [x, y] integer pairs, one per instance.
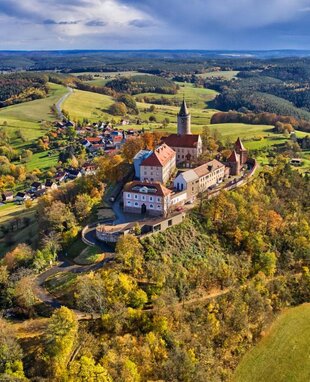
{"points": [[195, 97], [89, 255], [42, 161], [228, 75], [283, 355], [10, 212], [93, 106], [27, 116]]}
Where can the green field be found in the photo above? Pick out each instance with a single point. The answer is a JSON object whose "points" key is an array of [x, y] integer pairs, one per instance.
{"points": [[283, 355], [11, 211], [195, 97], [93, 106], [27, 116], [42, 161], [229, 74]]}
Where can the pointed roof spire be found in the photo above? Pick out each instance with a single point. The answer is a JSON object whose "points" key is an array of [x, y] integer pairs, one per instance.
{"points": [[183, 109], [234, 157], [239, 145]]}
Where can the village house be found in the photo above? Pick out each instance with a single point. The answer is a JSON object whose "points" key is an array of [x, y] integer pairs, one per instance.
{"points": [[200, 179], [37, 186], [89, 169], [50, 185], [21, 197], [60, 177], [7, 196], [159, 166], [73, 173]]}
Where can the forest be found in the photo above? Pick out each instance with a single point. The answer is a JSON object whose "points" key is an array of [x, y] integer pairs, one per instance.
{"points": [[248, 249], [21, 87]]}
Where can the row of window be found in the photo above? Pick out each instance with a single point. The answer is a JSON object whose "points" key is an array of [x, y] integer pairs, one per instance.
{"points": [[144, 198], [136, 204]]}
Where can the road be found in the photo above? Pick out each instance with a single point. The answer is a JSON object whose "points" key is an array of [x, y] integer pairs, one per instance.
{"points": [[64, 266], [61, 101]]}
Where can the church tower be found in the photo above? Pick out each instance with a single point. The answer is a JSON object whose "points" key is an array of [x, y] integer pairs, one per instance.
{"points": [[184, 120]]}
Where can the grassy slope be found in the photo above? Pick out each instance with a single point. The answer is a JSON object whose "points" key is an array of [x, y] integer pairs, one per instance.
{"points": [[82, 104], [283, 355], [27, 116]]}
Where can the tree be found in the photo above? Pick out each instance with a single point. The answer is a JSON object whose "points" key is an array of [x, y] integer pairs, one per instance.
{"points": [[131, 147], [22, 255], [59, 340], [58, 216], [26, 155], [83, 206], [85, 369], [130, 102], [267, 262], [118, 108], [129, 253], [24, 293], [10, 353]]}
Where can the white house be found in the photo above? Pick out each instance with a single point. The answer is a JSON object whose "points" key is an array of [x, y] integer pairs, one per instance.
{"points": [[143, 197]]}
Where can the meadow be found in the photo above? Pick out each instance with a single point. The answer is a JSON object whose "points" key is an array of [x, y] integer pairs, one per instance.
{"points": [[29, 115], [283, 354], [228, 75]]}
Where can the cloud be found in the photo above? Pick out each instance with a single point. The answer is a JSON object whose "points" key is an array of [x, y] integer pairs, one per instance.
{"points": [[96, 23], [176, 24]]}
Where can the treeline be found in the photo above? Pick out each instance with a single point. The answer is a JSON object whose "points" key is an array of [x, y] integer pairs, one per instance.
{"points": [[259, 119], [258, 92], [21, 87], [143, 84]]}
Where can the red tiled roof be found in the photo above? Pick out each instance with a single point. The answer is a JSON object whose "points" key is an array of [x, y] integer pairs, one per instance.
{"points": [[234, 157], [160, 156], [176, 140], [93, 139], [155, 188]]}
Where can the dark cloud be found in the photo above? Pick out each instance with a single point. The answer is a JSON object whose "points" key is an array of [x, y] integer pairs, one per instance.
{"points": [[141, 23], [53, 22], [96, 23]]}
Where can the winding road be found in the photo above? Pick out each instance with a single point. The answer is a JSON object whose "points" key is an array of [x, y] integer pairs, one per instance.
{"points": [[61, 101]]}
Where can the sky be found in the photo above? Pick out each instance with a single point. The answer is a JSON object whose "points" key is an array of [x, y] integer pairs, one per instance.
{"points": [[154, 24]]}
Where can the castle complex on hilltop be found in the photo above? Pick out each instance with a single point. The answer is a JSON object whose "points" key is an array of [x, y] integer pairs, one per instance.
{"points": [[160, 186]]}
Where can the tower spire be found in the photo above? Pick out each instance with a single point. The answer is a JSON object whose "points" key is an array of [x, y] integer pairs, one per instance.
{"points": [[184, 119]]}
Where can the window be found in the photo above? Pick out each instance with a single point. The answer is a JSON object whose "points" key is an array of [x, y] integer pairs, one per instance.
{"points": [[151, 206], [136, 204], [136, 196], [128, 195], [169, 223], [158, 207], [128, 203], [158, 199], [151, 198], [143, 197]]}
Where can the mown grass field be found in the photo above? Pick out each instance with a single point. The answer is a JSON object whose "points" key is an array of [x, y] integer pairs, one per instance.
{"points": [[27, 116], [195, 97], [93, 106], [283, 355], [10, 212], [229, 74]]}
